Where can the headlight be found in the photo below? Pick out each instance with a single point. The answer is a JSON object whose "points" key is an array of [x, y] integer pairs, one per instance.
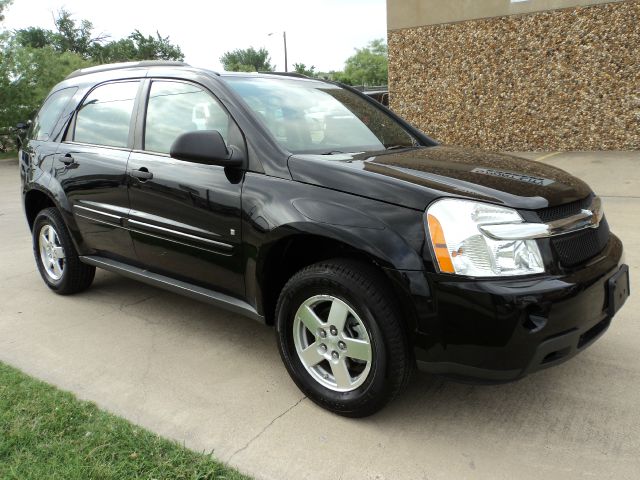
{"points": [[461, 247]]}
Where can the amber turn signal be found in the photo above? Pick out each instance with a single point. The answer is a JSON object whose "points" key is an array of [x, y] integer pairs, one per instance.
{"points": [[440, 245]]}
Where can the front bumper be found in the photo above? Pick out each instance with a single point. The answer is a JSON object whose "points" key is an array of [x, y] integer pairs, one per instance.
{"points": [[503, 329]]}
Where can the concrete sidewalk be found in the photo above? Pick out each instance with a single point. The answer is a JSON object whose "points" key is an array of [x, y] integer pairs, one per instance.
{"points": [[214, 380]]}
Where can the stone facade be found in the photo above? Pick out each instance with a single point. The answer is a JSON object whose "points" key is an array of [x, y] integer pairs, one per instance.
{"points": [[565, 79]]}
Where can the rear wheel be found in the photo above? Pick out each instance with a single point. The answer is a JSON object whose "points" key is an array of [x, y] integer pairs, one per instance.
{"points": [[56, 257], [341, 337]]}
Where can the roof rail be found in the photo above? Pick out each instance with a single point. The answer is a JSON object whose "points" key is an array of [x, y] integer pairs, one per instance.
{"points": [[118, 66], [288, 74]]}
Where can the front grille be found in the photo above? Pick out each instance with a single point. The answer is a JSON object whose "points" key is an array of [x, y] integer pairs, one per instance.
{"points": [[577, 247], [550, 214], [574, 248]]}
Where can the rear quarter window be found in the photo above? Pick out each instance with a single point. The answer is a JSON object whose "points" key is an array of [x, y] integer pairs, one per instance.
{"points": [[50, 113]]}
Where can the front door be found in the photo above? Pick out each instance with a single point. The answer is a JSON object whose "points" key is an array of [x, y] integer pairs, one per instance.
{"points": [[185, 217], [91, 166]]}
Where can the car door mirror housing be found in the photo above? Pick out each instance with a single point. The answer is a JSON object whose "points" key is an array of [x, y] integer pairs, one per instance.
{"points": [[205, 146]]}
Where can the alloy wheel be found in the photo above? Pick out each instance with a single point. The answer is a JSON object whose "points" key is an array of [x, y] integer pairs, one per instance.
{"points": [[51, 252], [332, 343]]}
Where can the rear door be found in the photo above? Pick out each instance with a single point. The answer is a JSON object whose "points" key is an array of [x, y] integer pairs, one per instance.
{"points": [[185, 217], [41, 143], [91, 166]]}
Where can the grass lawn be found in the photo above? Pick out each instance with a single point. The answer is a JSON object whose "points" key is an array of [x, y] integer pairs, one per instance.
{"points": [[5, 155], [48, 433]]}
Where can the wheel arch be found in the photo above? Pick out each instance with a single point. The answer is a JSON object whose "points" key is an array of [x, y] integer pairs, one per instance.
{"points": [[37, 198], [288, 254]]}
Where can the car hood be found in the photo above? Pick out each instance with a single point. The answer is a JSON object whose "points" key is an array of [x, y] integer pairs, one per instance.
{"points": [[414, 177]]}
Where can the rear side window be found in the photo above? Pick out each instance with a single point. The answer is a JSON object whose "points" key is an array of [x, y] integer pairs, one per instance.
{"points": [[105, 116], [50, 113], [175, 108]]}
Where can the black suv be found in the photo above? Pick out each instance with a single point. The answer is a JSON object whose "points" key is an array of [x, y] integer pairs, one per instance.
{"points": [[307, 205]]}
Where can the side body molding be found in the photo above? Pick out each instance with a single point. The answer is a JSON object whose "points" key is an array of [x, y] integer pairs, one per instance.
{"points": [[183, 288]]}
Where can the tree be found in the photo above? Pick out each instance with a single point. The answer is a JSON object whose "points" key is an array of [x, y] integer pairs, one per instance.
{"points": [[34, 37], [77, 37], [247, 60], [3, 5], [137, 47], [302, 69], [342, 77], [369, 65], [33, 60], [73, 37], [26, 76], [335, 76]]}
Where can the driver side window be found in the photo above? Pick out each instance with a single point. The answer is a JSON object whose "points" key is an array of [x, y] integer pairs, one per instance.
{"points": [[175, 108]]}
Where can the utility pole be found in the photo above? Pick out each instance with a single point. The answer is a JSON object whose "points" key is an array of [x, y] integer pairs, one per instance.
{"points": [[284, 36]]}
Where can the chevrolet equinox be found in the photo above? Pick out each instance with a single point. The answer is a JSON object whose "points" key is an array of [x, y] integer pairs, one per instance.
{"points": [[308, 206]]}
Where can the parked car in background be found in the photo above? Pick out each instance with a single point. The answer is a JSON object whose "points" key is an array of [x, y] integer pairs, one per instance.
{"points": [[308, 206]]}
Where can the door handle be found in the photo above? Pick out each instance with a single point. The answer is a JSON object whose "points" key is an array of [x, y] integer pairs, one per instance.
{"points": [[67, 159], [142, 174]]}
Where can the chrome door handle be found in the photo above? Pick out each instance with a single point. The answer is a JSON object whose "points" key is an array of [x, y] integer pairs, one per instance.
{"points": [[67, 159]]}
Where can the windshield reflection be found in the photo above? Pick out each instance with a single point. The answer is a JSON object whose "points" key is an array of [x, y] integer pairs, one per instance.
{"points": [[315, 117]]}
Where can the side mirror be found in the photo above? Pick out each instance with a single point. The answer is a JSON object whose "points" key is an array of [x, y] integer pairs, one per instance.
{"points": [[205, 146], [22, 126]]}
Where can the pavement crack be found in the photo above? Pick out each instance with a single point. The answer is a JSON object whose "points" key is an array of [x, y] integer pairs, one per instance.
{"points": [[124, 305], [261, 432], [145, 374]]}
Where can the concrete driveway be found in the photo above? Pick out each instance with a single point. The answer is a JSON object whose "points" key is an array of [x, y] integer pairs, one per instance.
{"points": [[214, 380]]}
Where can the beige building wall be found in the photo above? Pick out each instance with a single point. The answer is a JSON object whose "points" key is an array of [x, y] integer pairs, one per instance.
{"points": [[474, 73], [415, 13]]}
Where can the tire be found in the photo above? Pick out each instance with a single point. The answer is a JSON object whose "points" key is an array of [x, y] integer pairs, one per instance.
{"points": [[333, 366], [56, 256]]}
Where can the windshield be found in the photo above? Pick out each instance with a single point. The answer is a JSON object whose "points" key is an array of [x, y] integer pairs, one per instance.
{"points": [[317, 117]]}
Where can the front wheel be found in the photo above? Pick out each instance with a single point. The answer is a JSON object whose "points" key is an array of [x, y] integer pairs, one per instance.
{"points": [[341, 337]]}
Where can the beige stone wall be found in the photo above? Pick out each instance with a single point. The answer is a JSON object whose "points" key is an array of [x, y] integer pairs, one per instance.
{"points": [[416, 13], [564, 79]]}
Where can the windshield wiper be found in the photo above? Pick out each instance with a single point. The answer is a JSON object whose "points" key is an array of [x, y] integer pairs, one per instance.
{"points": [[332, 152]]}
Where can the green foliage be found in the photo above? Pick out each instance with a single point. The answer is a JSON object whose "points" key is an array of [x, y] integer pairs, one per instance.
{"points": [[73, 37], [27, 74], [369, 65], [302, 69], [343, 77], [34, 37], [137, 47], [247, 60], [4, 4], [77, 37], [48, 433], [336, 76], [33, 60]]}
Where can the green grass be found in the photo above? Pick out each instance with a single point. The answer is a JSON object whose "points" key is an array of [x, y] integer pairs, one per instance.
{"points": [[48, 433], [5, 155]]}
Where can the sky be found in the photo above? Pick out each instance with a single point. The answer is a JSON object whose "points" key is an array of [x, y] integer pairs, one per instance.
{"points": [[323, 33]]}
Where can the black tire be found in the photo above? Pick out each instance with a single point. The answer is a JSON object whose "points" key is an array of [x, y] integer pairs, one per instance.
{"points": [[364, 290], [76, 276]]}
